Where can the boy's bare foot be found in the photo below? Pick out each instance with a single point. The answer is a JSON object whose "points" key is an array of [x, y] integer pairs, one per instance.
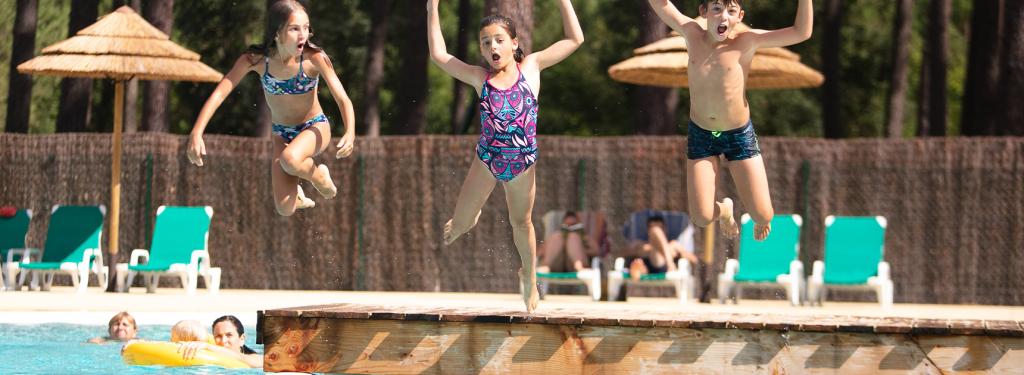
{"points": [[301, 200], [761, 231], [729, 228], [543, 269], [529, 287], [322, 182]]}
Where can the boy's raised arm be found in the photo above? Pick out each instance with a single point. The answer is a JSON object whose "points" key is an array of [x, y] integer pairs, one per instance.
{"points": [[799, 32], [675, 19]]}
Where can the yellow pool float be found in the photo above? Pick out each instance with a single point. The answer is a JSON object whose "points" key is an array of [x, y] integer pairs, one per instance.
{"points": [[165, 353]]}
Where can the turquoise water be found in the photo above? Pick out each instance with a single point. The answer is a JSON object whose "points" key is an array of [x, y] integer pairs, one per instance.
{"points": [[61, 349]]}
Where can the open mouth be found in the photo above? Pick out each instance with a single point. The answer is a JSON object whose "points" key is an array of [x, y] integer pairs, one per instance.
{"points": [[722, 29], [495, 57], [300, 46]]}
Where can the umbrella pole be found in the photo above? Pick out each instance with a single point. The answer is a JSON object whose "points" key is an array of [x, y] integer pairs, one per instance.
{"points": [[115, 182]]}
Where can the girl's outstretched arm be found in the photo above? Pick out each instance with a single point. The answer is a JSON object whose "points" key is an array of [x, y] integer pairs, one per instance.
{"points": [[799, 32], [565, 47], [675, 19], [196, 148], [347, 142], [470, 74]]}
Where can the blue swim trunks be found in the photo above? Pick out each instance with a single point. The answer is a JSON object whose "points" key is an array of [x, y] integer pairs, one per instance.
{"points": [[289, 132], [736, 144]]}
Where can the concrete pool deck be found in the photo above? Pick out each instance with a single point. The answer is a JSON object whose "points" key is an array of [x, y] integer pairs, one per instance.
{"points": [[168, 305]]}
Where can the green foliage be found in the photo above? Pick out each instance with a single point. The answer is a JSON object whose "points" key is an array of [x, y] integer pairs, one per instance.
{"points": [[579, 98]]}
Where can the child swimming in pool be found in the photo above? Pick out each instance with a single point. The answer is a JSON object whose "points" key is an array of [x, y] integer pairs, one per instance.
{"points": [[290, 67]]}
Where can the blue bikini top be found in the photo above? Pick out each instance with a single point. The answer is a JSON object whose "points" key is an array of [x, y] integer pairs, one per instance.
{"points": [[297, 85]]}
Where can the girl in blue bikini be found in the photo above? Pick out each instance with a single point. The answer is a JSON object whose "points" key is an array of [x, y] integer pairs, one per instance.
{"points": [[508, 88], [290, 67]]}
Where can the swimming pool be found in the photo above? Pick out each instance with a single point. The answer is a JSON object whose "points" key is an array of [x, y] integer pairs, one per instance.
{"points": [[57, 348]]}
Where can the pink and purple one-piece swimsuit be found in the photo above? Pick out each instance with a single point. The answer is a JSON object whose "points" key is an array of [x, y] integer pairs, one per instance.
{"points": [[508, 129]]}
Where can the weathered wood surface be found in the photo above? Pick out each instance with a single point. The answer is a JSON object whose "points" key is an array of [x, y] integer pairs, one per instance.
{"points": [[419, 340]]}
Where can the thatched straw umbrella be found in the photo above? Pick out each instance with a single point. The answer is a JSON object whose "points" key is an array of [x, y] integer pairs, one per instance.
{"points": [[664, 63], [120, 46]]}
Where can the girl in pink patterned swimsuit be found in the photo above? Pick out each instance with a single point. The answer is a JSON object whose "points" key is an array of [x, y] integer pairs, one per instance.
{"points": [[508, 88]]}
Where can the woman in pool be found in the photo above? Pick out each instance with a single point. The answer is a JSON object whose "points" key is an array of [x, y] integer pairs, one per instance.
{"points": [[228, 334], [120, 328], [290, 67]]}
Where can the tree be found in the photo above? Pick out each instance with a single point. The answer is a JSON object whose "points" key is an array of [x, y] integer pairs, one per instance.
{"points": [[131, 88], [654, 107], [1011, 71], [460, 104], [263, 117], [831, 92], [156, 94], [980, 86], [413, 95], [932, 104], [370, 110], [19, 94], [900, 55], [76, 93]]}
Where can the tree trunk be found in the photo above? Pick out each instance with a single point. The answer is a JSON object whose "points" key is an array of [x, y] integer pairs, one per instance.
{"points": [[521, 13], [933, 106], [370, 111], [76, 93], [261, 129], [980, 86], [131, 89], [654, 107], [156, 94], [19, 91], [831, 93], [901, 30], [460, 102], [412, 95], [1011, 93]]}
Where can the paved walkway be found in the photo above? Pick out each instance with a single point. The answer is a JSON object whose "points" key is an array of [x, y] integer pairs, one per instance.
{"points": [[170, 305]]}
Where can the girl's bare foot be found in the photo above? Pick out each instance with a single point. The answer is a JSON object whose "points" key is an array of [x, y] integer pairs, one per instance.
{"points": [[761, 231], [451, 233], [301, 200], [322, 182], [729, 228], [529, 288]]}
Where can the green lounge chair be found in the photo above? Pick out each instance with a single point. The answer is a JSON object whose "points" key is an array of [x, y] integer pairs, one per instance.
{"points": [[854, 249], [774, 262], [595, 229], [179, 249], [13, 231], [72, 248], [678, 227]]}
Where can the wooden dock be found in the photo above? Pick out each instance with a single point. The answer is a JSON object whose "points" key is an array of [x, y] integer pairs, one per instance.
{"points": [[624, 338]]}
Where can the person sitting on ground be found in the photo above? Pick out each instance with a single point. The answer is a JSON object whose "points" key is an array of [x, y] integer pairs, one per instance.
{"points": [[229, 333], [659, 254], [120, 328], [567, 243]]}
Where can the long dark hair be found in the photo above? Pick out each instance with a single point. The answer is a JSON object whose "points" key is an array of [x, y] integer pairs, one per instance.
{"points": [[509, 27], [277, 15], [238, 327]]}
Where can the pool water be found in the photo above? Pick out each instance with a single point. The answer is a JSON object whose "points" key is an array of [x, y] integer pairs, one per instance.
{"points": [[61, 349]]}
